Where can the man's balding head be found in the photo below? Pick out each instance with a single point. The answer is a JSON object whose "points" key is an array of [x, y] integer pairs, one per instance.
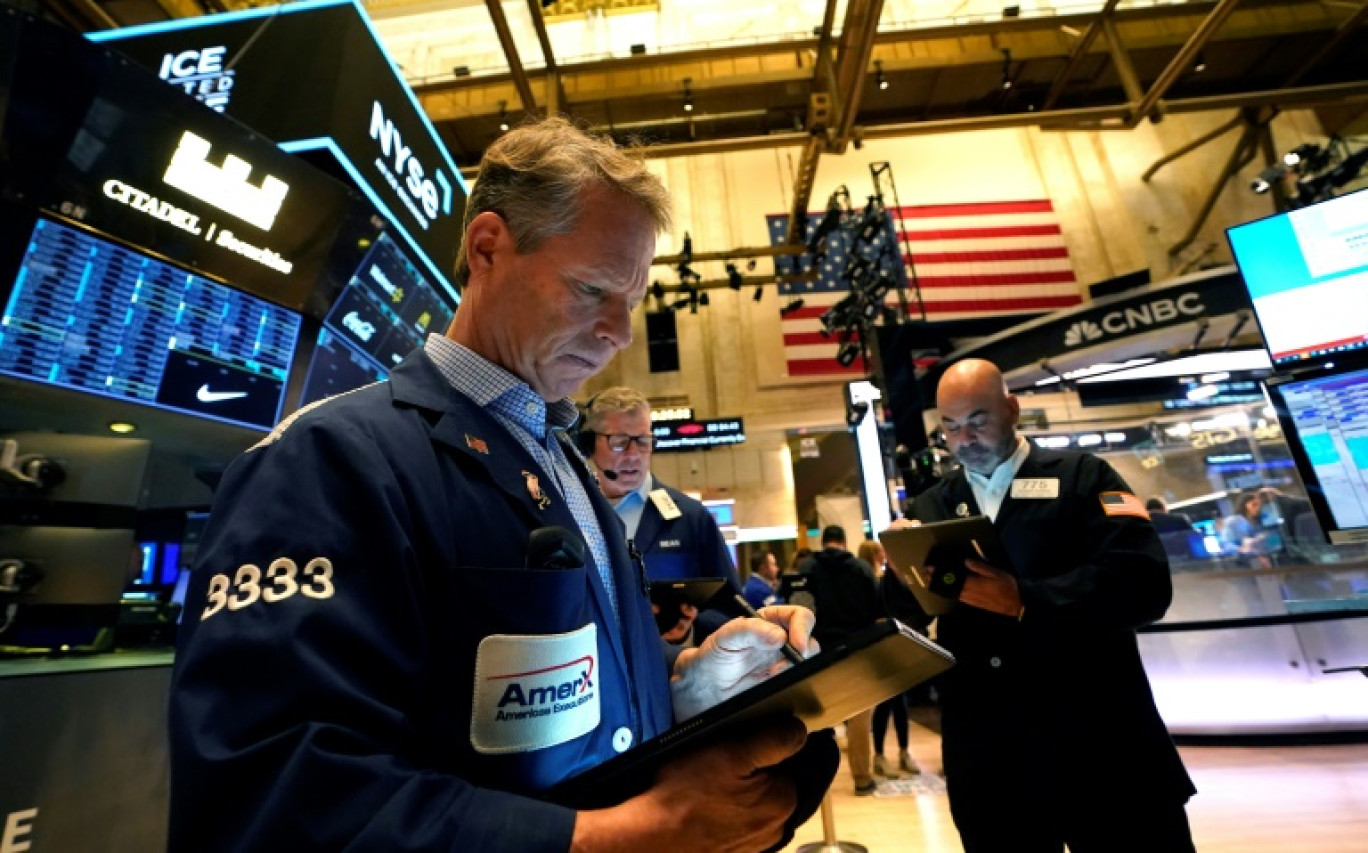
{"points": [[978, 414]]}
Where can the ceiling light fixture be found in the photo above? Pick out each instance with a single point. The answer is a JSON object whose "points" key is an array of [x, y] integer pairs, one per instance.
{"points": [[688, 95], [1006, 68], [503, 116], [1201, 64], [734, 280], [122, 427], [759, 292], [879, 75]]}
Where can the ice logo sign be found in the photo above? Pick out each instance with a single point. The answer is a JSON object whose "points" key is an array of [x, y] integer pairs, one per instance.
{"points": [[201, 74], [225, 187]]}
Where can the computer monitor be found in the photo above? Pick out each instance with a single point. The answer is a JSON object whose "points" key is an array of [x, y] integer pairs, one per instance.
{"points": [[385, 312], [89, 315], [1307, 275], [1324, 420], [81, 575], [100, 484]]}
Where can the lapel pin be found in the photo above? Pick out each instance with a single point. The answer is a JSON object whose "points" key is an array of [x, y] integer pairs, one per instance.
{"points": [[962, 510], [535, 490], [477, 444]]}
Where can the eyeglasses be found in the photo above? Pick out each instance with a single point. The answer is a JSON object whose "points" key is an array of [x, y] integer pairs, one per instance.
{"points": [[619, 443]]}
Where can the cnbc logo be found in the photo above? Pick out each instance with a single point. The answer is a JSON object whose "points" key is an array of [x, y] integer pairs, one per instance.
{"points": [[1156, 312], [1083, 330]]}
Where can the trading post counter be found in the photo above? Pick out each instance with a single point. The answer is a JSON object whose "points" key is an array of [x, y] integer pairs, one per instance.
{"points": [[84, 746]]}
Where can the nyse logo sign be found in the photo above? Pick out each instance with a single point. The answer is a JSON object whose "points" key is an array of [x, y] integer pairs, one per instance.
{"points": [[225, 187], [405, 172], [1157, 312], [201, 74]]}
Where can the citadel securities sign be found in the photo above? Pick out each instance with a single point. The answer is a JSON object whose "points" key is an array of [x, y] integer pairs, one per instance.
{"points": [[346, 107]]}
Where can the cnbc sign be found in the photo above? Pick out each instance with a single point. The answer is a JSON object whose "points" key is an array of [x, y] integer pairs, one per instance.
{"points": [[1156, 313]]}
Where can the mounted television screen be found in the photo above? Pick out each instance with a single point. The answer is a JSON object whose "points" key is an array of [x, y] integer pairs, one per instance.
{"points": [[1325, 422], [384, 313], [1307, 274], [92, 316]]}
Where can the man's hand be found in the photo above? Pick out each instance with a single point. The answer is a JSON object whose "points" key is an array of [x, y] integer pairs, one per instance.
{"points": [[719, 798], [991, 589], [740, 654]]}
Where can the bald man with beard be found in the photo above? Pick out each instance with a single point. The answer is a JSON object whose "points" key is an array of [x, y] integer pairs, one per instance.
{"points": [[1051, 734]]}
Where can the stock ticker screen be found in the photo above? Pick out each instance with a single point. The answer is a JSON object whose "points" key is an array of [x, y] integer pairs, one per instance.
{"points": [[384, 313], [92, 316]]}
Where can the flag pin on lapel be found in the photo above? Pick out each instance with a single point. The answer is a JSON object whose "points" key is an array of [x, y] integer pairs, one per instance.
{"points": [[477, 444], [535, 490]]}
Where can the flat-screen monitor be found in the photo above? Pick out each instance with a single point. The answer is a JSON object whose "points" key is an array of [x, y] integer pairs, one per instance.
{"points": [[100, 483], [92, 316], [1307, 274], [83, 575], [1325, 422], [384, 313]]}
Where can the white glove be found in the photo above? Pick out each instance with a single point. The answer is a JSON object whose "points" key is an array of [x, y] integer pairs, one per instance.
{"points": [[739, 655]]}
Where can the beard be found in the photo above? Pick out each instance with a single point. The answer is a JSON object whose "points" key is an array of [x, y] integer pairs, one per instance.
{"points": [[983, 459]]}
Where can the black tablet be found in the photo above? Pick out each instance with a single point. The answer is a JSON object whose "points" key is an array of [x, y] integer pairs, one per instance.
{"points": [[943, 545], [695, 591], [839, 682]]}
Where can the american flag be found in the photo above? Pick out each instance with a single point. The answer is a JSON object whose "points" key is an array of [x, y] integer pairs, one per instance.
{"points": [[974, 259]]}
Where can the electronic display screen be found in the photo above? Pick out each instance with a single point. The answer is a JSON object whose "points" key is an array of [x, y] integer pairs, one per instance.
{"points": [[92, 138], [91, 316], [1307, 275], [383, 314], [1325, 420]]}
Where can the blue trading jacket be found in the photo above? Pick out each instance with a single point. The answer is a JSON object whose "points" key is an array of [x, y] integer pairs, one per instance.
{"points": [[327, 692]]}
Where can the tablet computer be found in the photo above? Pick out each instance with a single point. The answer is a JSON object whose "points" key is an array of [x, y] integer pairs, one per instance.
{"points": [[837, 683], [695, 591], [943, 545]]}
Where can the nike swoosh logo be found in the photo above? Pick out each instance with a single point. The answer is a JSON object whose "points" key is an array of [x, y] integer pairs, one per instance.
{"points": [[204, 395]]}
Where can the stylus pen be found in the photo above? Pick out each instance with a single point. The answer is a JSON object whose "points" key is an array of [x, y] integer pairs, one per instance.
{"points": [[789, 651]]}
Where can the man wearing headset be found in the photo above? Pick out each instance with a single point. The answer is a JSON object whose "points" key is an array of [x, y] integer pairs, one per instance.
{"points": [[675, 534]]}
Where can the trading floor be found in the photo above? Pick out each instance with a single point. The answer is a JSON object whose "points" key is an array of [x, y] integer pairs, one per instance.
{"points": [[1251, 799]]}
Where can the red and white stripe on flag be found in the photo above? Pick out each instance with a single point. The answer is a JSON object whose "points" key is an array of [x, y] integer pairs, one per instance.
{"points": [[1123, 503], [973, 259], [987, 258]]}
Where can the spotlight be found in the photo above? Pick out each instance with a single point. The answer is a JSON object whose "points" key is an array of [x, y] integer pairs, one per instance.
{"points": [[750, 265], [503, 116], [1201, 64], [857, 411], [733, 277], [759, 292], [703, 299], [686, 253], [657, 289], [1006, 68], [879, 75], [688, 95], [693, 302], [790, 308]]}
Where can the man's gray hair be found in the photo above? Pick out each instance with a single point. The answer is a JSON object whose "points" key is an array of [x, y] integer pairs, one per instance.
{"points": [[535, 177], [616, 399]]}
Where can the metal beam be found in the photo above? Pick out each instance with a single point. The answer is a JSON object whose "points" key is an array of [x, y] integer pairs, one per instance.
{"points": [[1191, 146], [1180, 62], [852, 66], [1333, 45], [733, 254], [824, 81], [510, 50], [1084, 43], [555, 97], [1240, 155], [1125, 71]]}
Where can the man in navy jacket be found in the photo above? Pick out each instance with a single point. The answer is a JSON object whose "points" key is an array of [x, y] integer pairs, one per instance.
{"points": [[1050, 731], [373, 658], [676, 535]]}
